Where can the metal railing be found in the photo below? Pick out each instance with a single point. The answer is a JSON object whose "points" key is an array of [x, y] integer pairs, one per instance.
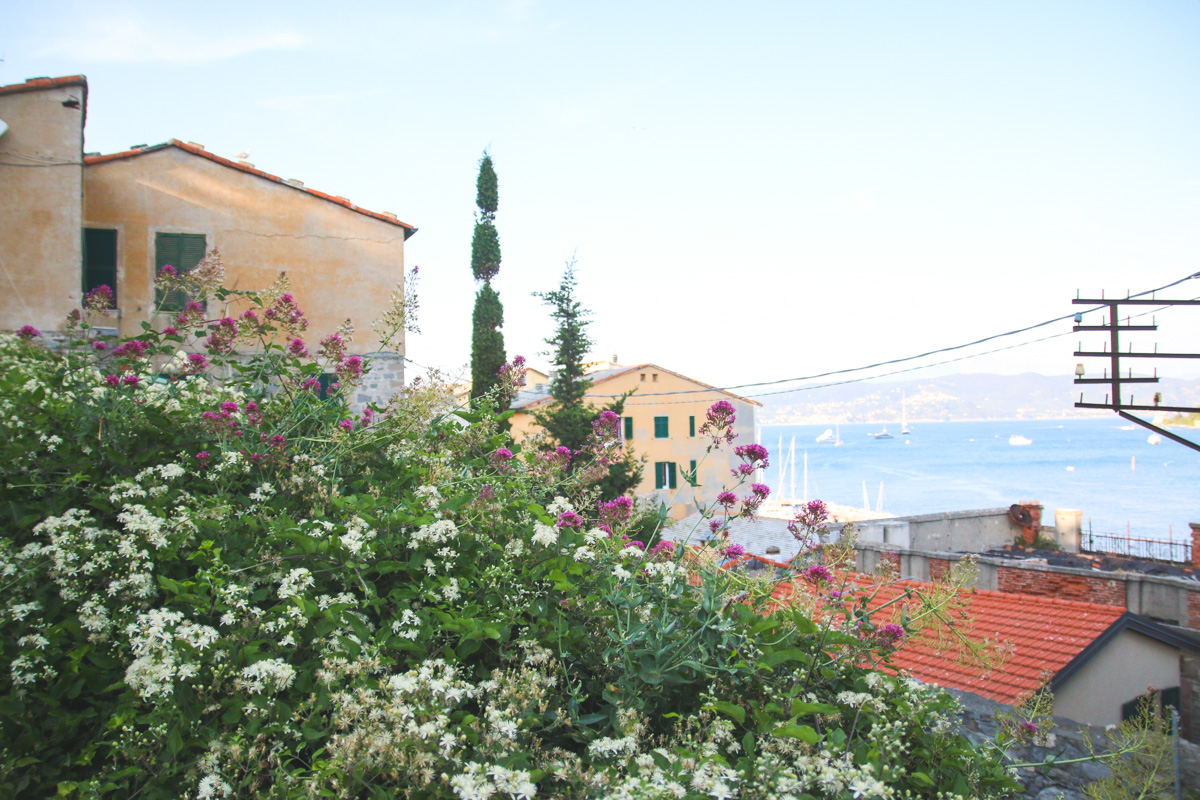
{"points": [[1117, 544]]}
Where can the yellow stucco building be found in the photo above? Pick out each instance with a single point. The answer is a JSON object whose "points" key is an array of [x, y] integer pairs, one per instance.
{"points": [[71, 221], [662, 420]]}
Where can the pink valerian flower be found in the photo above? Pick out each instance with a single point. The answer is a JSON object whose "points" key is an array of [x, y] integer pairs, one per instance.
{"points": [[758, 493], [203, 458], [223, 335], [809, 520], [169, 331], [191, 315], [633, 543], [112, 380], [251, 413], [727, 499], [276, 442], [718, 527], [130, 381], [333, 348], [350, 370], [512, 378], [816, 573], [368, 416], [753, 456], [890, 635], [615, 514], [718, 424], [196, 363], [311, 385], [664, 549], [606, 436], [134, 349], [99, 346], [569, 519], [733, 550], [249, 325], [558, 458], [297, 348], [347, 425], [99, 299], [287, 314], [229, 407], [502, 460], [168, 273], [486, 494]]}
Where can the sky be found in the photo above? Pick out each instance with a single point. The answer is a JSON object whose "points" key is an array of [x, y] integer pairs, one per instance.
{"points": [[751, 192]]}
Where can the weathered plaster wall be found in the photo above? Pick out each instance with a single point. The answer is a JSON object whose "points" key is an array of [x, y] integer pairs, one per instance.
{"points": [[41, 189], [1117, 674], [341, 264]]}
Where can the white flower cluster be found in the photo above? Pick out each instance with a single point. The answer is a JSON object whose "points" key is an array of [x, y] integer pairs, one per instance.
{"points": [[295, 582], [479, 782], [358, 534], [438, 532], [544, 534], [560, 506], [666, 571], [268, 675], [408, 626], [429, 496], [158, 662]]}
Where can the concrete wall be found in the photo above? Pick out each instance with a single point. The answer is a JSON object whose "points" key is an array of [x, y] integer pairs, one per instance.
{"points": [[1115, 675], [1166, 599], [956, 531], [41, 191], [341, 264], [680, 447]]}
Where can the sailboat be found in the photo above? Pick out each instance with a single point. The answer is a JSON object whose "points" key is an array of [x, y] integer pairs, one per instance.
{"points": [[904, 431], [826, 436], [837, 437], [883, 434]]}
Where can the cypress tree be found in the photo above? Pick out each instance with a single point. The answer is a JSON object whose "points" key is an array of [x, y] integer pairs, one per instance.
{"points": [[487, 340]]}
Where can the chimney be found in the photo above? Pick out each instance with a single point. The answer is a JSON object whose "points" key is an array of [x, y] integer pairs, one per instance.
{"points": [[1195, 544], [614, 359]]}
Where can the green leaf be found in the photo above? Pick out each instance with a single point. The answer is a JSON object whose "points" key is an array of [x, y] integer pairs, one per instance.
{"points": [[804, 733], [730, 710], [801, 709]]}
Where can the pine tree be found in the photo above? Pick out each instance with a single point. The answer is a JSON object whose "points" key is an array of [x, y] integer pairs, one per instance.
{"points": [[487, 340], [568, 418]]}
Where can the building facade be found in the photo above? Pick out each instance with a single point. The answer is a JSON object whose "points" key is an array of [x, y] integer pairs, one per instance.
{"points": [[71, 221], [662, 420]]}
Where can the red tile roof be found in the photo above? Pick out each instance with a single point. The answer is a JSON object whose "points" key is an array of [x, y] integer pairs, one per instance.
{"points": [[34, 84], [199, 150], [1045, 635]]}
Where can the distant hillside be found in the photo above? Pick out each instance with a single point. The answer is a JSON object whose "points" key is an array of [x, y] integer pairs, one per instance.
{"points": [[956, 397]]}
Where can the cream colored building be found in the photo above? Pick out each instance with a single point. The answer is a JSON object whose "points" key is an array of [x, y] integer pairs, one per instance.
{"points": [[70, 222], [662, 421]]}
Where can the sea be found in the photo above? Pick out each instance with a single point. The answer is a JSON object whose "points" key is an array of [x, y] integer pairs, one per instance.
{"points": [[1121, 482]]}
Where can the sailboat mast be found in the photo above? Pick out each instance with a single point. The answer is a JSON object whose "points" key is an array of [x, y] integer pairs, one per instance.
{"points": [[792, 461], [805, 477]]}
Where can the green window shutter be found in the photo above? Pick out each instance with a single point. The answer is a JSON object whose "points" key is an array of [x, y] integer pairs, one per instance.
{"points": [[100, 260], [659, 474], [183, 251], [628, 428], [692, 427], [692, 471], [661, 428], [671, 475], [323, 381]]}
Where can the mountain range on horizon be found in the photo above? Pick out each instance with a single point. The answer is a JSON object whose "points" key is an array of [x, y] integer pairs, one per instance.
{"points": [[969, 396]]}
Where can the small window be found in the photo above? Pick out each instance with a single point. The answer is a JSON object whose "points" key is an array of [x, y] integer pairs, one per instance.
{"points": [[628, 428], [183, 251], [643, 377], [692, 427], [100, 260], [324, 381], [664, 475], [661, 428], [692, 479], [1167, 698], [654, 377]]}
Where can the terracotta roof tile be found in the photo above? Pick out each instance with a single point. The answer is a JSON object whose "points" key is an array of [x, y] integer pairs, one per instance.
{"points": [[1045, 634], [199, 150], [34, 84]]}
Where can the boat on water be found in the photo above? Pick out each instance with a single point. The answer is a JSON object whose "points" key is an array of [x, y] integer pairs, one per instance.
{"points": [[826, 436], [1016, 440], [883, 434], [837, 437], [1154, 439], [1127, 428]]}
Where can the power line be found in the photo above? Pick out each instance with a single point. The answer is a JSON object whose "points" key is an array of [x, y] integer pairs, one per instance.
{"points": [[906, 358]]}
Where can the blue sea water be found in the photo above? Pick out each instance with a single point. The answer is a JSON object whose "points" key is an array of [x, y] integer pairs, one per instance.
{"points": [[957, 466]]}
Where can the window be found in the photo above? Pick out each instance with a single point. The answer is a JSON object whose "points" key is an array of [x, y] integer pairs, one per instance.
{"points": [[1167, 698], [100, 260], [183, 251], [643, 377], [628, 428], [323, 382], [692, 479], [692, 427], [664, 475], [661, 428], [654, 377]]}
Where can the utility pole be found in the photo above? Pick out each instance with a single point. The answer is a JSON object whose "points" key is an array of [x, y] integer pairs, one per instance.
{"points": [[1111, 352]]}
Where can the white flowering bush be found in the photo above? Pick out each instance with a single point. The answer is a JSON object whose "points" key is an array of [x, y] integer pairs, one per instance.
{"points": [[219, 583]]}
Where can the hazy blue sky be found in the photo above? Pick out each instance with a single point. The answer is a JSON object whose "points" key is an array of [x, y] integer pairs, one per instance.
{"points": [[753, 191]]}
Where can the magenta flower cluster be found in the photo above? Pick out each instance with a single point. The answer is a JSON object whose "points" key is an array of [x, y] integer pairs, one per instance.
{"points": [[222, 336], [614, 514], [28, 333], [132, 349], [718, 424], [809, 520], [816, 573], [569, 519], [502, 460], [99, 299], [753, 456], [191, 316]]}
